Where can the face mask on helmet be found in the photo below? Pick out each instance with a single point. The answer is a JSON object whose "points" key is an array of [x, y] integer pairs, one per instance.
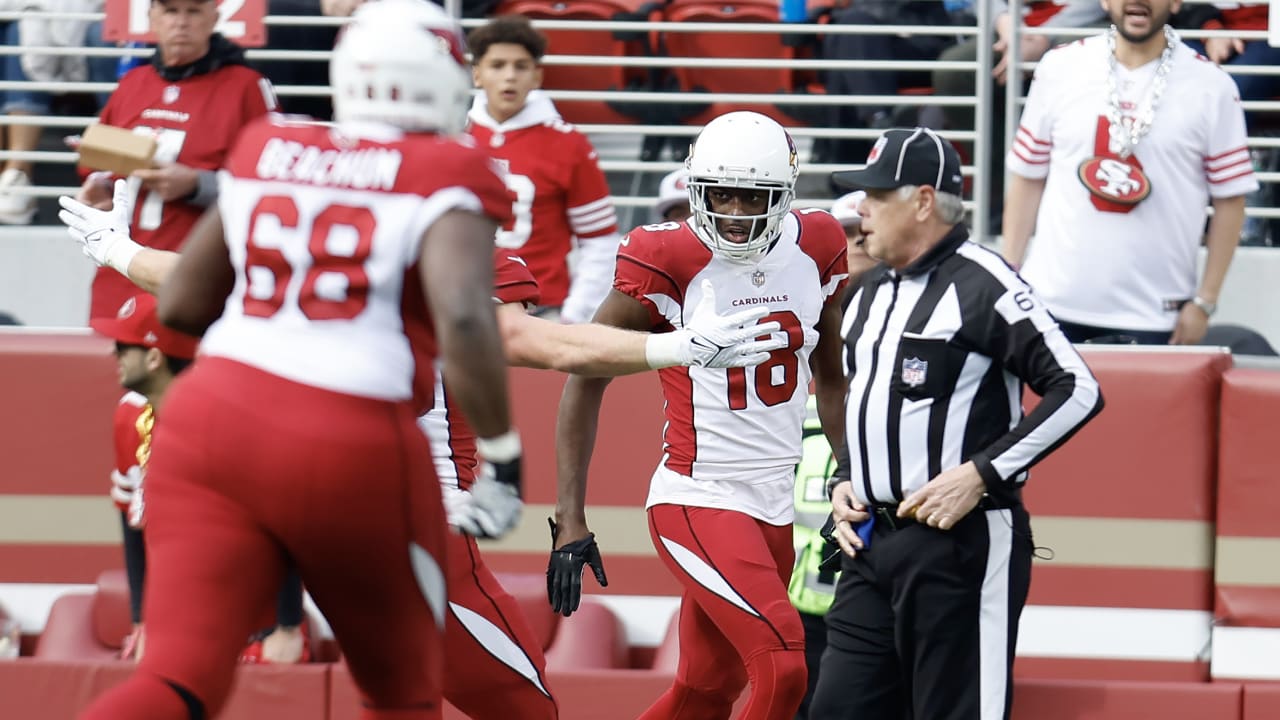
{"points": [[742, 173], [401, 62]]}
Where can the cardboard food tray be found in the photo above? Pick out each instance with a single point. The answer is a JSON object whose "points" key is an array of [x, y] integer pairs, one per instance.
{"points": [[117, 150]]}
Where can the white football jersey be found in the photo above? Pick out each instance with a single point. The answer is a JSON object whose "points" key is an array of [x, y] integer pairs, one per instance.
{"points": [[732, 437], [323, 226], [1108, 264]]}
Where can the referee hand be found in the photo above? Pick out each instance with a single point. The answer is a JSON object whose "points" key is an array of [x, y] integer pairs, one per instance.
{"points": [[847, 512], [946, 498]]}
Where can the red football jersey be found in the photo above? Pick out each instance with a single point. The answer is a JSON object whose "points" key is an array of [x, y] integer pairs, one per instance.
{"points": [[453, 442], [560, 192], [194, 122], [125, 440]]}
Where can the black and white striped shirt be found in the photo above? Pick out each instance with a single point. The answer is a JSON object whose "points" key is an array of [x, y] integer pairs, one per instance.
{"points": [[936, 356]]}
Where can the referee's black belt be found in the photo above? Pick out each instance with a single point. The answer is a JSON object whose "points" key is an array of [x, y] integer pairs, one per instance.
{"points": [[887, 515]]}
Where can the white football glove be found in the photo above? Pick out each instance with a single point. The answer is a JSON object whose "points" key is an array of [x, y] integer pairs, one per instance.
{"points": [[716, 341], [124, 485], [492, 507], [103, 234]]}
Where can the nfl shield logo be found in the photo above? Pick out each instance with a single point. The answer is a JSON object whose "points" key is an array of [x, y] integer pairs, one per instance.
{"points": [[757, 278], [170, 95], [914, 371]]}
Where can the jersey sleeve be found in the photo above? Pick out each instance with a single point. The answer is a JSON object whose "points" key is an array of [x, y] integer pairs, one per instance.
{"points": [[259, 98], [824, 239], [512, 281], [591, 212], [1029, 156], [125, 440], [639, 274], [1227, 164], [474, 184]]}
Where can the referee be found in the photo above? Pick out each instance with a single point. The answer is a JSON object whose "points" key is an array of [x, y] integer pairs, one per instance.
{"points": [[939, 339]]}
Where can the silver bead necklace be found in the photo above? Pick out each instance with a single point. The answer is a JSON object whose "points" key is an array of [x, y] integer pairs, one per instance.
{"points": [[1127, 131]]}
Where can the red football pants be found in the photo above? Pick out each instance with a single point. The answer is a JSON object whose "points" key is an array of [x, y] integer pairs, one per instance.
{"points": [[734, 569], [249, 472], [495, 669]]}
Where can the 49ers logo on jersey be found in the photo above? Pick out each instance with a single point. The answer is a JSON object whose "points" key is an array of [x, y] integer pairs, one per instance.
{"points": [[1115, 185]]}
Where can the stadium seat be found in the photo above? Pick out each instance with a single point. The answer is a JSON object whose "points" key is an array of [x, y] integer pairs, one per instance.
{"points": [[667, 656], [587, 41], [88, 626], [734, 45], [593, 638], [530, 590]]}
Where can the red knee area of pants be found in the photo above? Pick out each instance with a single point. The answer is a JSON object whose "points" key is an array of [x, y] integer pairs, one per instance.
{"points": [[143, 695], [416, 714], [682, 702], [778, 683], [476, 680]]}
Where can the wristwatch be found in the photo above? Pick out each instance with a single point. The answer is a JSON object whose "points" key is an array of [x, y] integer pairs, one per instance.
{"points": [[1208, 307]]}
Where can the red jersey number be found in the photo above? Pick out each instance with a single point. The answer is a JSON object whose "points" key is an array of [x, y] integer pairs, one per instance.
{"points": [[784, 357], [334, 220]]}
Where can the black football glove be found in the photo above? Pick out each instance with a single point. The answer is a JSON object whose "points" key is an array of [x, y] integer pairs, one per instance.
{"points": [[564, 571]]}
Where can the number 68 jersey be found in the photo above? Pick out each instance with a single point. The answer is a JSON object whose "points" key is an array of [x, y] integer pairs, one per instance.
{"points": [[324, 228], [732, 437]]}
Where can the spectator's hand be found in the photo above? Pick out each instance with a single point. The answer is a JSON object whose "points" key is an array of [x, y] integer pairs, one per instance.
{"points": [[1191, 326], [339, 8], [1031, 47], [96, 191], [492, 507], [847, 512], [946, 498], [171, 182], [103, 234], [1222, 49], [564, 570], [724, 341]]}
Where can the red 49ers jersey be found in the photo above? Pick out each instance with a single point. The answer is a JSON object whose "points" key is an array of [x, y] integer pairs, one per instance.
{"points": [[324, 228], [194, 122], [453, 442], [560, 194], [732, 437], [125, 440]]}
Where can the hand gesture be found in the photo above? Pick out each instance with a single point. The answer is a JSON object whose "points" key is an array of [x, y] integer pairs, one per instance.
{"points": [[947, 498], [1191, 325], [733, 340], [103, 234], [564, 570], [171, 182], [847, 513]]}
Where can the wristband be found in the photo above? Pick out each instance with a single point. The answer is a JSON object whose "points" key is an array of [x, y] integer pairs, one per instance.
{"points": [[500, 449], [663, 350], [120, 252]]}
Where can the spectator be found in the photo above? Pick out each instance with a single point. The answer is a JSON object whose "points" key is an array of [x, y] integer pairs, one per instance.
{"points": [[149, 356], [1036, 14], [941, 333], [562, 199], [877, 82], [194, 97], [845, 209], [673, 197], [1128, 182], [720, 502], [17, 207]]}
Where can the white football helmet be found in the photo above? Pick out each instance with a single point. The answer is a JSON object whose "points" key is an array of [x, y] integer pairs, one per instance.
{"points": [[402, 62], [742, 150]]}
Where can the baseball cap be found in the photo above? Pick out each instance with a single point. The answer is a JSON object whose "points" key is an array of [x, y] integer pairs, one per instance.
{"points": [[673, 191], [907, 156], [845, 208], [136, 323]]}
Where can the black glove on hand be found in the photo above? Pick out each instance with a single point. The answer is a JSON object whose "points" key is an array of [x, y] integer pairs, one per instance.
{"points": [[564, 571]]}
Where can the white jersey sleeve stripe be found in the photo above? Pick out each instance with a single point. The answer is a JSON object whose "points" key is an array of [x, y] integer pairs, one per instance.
{"points": [[591, 207]]}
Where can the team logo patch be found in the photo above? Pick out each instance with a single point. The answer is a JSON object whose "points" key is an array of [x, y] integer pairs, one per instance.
{"points": [[127, 308], [875, 149], [914, 371], [1114, 180], [757, 278], [170, 95]]}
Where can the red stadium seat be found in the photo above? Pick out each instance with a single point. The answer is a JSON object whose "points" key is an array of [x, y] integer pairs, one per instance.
{"points": [[530, 590], [587, 41], [734, 45], [593, 638], [667, 656], [88, 626]]}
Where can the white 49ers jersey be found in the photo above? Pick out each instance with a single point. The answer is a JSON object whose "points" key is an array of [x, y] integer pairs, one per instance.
{"points": [[1108, 256], [324, 228], [732, 437]]}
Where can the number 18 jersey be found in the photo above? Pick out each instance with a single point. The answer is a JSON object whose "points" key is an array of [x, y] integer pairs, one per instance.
{"points": [[324, 228], [732, 437]]}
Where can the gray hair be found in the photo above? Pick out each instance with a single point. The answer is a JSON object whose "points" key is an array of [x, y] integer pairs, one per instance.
{"points": [[948, 208]]}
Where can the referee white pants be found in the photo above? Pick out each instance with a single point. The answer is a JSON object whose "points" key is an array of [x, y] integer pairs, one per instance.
{"points": [[925, 622]]}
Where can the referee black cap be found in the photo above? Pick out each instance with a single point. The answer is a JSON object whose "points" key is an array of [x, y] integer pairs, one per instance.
{"points": [[907, 156]]}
